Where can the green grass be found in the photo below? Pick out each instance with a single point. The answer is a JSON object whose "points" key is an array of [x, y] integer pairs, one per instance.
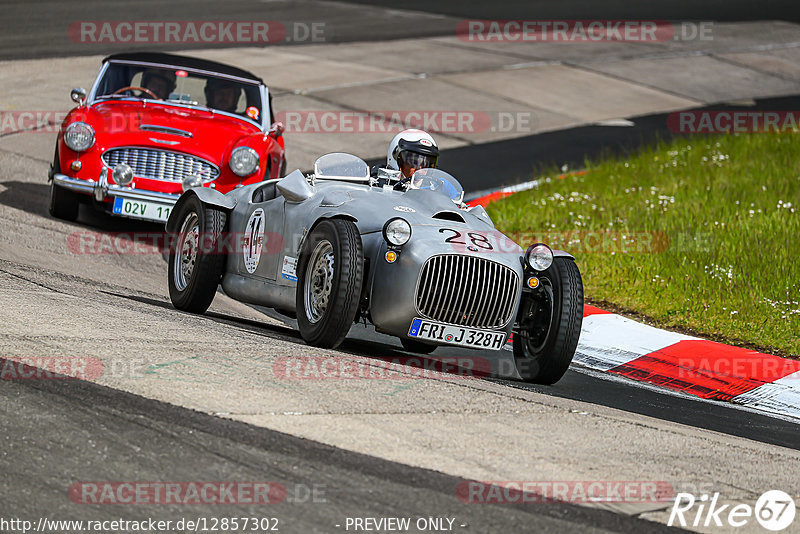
{"points": [[718, 219]]}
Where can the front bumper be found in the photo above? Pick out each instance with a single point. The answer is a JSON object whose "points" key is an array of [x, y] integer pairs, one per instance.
{"points": [[102, 191]]}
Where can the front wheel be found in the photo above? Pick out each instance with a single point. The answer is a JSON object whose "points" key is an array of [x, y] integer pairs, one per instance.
{"points": [[64, 203], [196, 260], [549, 324], [330, 274]]}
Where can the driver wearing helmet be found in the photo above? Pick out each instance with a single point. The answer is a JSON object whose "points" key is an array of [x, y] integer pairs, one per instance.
{"points": [[409, 151]]}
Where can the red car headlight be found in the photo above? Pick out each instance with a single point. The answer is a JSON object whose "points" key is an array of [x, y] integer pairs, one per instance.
{"points": [[79, 136], [244, 161]]}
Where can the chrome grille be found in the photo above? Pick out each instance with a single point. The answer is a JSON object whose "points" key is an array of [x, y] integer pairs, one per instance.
{"points": [[161, 164], [467, 291]]}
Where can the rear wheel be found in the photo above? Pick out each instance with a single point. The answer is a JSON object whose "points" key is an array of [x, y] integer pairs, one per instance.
{"points": [[549, 324], [412, 345], [330, 274], [196, 261]]}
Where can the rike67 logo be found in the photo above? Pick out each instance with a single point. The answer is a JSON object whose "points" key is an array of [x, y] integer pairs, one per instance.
{"points": [[774, 510]]}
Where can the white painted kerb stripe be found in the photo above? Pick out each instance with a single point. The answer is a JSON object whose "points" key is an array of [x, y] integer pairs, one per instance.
{"points": [[609, 340]]}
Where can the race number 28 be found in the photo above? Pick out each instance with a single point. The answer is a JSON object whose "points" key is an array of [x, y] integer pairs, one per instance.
{"points": [[478, 240]]}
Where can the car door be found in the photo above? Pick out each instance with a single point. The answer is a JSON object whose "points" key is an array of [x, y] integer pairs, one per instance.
{"points": [[262, 233]]}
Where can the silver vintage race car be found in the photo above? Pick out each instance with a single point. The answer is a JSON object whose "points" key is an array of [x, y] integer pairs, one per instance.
{"points": [[338, 246]]}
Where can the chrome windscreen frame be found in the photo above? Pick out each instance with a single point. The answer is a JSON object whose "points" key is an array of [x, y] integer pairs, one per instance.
{"points": [[263, 125]]}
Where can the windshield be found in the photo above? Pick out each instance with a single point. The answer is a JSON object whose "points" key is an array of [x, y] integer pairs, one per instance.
{"points": [[341, 166], [181, 86], [439, 181]]}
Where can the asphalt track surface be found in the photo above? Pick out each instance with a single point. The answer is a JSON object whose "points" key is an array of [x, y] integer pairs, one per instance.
{"points": [[107, 434], [40, 28], [605, 390], [515, 160], [719, 10]]}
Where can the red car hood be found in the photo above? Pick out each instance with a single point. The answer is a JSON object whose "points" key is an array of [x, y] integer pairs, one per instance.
{"points": [[203, 133]]}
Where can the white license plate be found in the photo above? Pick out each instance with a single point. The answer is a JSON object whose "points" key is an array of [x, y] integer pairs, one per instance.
{"points": [[141, 209], [456, 335]]}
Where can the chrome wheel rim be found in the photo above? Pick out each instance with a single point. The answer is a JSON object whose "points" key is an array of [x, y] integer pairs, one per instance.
{"points": [[318, 284], [186, 257]]}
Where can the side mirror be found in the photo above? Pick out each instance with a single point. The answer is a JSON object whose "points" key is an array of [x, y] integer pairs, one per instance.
{"points": [[78, 95], [276, 130]]}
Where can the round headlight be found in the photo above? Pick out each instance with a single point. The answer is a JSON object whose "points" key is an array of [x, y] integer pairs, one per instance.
{"points": [[539, 257], [123, 174], [79, 136], [397, 232], [244, 161]]}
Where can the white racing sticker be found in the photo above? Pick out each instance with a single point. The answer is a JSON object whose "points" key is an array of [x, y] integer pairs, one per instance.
{"points": [[253, 240], [404, 209], [289, 269]]}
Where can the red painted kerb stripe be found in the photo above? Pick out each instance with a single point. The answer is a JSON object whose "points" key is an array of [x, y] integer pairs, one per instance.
{"points": [[707, 369], [486, 199], [591, 310]]}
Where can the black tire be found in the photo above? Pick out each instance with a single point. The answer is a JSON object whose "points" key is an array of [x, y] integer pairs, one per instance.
{"points": [[55, 167], [545, 344], [64, 203], [412, 345], [192, 288], [328, 296]]}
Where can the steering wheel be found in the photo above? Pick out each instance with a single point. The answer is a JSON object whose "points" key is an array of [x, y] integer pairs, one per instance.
{"points": [[137, 88]]}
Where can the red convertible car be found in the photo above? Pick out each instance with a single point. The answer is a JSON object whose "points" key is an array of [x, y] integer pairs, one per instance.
{"points": [[154, 125]]}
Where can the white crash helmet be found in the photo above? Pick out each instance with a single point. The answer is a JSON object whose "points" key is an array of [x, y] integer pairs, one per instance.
{"points": [[415, 144]]}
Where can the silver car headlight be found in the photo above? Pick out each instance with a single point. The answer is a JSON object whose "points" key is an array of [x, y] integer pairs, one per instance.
{"points": [[79, 136], [397, 231], [539, 257], [122, 174], [244, 161]]}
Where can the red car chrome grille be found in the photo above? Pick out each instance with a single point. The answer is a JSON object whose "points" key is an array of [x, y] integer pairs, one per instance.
{"points": [[467, 291], [161, 164]]}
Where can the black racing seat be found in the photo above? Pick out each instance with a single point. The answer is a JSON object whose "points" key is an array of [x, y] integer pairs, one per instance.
{"points": [[266, 192]]}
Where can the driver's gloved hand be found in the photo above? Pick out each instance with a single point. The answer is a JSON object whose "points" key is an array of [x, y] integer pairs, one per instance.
{"points": [[402, 185]]}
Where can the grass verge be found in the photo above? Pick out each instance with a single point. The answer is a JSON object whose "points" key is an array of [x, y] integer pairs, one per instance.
{"points": [[700, 234]]}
